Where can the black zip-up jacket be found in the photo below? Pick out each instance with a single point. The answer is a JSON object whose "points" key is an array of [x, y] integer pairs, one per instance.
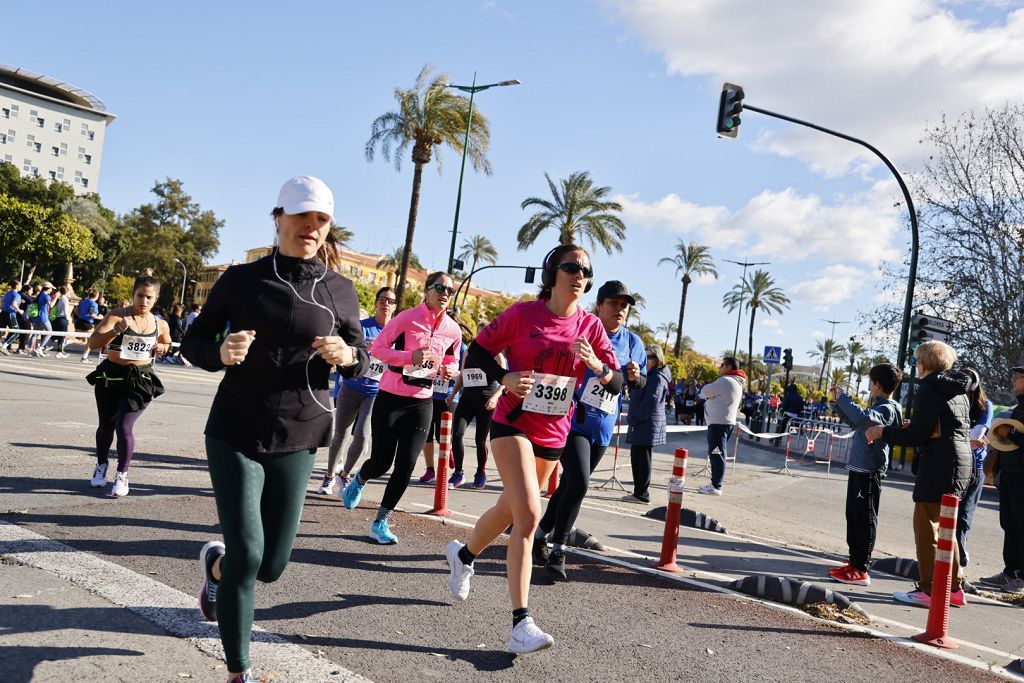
{"points": [[940, 426], [264, 405]]}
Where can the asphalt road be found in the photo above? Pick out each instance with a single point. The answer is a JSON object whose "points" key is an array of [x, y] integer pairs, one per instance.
{"points": [[384, 612]]}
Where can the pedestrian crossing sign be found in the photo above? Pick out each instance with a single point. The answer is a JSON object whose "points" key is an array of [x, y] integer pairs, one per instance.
{"points": [[772, 354]]}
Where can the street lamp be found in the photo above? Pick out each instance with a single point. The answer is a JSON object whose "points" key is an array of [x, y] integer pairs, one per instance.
{"points": [[472, 90], [832, 340], [739, 313], [184, 275]]}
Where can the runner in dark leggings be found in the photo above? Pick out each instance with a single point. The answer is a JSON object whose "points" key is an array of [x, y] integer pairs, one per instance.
{"points": [[477, 403], [125, 382], [417, 345], [278, 327], [591, 430]]}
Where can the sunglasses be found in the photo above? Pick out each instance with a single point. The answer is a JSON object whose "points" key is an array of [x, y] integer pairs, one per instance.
{"points": [[573, 268], [387, 300], [442, 289]]}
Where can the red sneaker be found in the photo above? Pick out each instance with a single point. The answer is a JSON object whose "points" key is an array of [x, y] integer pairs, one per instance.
{"points": [[852, 576], [832, 571], [957, 598]]}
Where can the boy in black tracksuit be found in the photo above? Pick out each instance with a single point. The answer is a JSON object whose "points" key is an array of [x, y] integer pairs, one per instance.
{"points": [[867, 466]]}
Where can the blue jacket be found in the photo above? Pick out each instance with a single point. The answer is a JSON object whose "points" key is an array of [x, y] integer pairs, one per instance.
{"points": [[646, 417], [588, 420], [865, 457]]}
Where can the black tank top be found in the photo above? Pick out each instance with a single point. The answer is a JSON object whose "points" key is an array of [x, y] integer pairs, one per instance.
{"points": [[135, 341]]}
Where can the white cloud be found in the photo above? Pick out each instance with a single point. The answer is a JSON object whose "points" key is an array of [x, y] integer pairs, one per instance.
{"points": [[818, 334], [832, 285], [783, 226], [773, 325], [877, 69]]}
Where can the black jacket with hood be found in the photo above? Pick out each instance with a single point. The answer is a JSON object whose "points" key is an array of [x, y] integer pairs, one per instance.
{"points": [[940, 427]]}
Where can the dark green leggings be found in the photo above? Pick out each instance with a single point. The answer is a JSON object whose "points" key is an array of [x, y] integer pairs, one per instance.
{"points": [[259, 502]]}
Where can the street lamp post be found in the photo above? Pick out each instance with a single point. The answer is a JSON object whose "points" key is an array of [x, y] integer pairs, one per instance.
{"points": [[184, 276], [832, 341], [739, 313], [472, 90]]}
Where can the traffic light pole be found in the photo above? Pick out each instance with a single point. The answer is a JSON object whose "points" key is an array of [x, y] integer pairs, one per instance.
{"points": [[901, 354], [469, 277]]}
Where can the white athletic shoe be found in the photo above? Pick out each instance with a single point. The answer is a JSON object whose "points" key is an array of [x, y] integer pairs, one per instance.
{"points": [[460, 574], [60, 354], [120, 485], [99, 476], [327, 485], [709, 489], [527, 637]]}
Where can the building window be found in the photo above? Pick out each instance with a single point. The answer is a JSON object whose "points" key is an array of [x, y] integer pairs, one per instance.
{"points": [[85, 182], [33, 115], [86, 132], [30, 141], [88, 159], [10, 135], [27, 166], [56, 151], [62, 127], [3, 138], [5, 112], [53, 175], [81, 152], [78, 177], [40, 122], [63, 149], [8, 159], [60, 173], [14, 111]]}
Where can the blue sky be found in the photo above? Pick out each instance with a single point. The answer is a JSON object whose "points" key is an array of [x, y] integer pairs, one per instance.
{"points": [[235, 97]]}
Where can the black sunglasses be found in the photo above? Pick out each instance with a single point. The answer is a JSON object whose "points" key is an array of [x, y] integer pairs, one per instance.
{"points": [[573, 268], [387, 300], [441, 289]]}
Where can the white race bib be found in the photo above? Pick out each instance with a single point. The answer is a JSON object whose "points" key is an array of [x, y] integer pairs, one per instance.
{"points": [[551, 394], [474, 377], [440, 385], [374, 370], [425, 371], [594, 394], [137, 348], [690, 404]]}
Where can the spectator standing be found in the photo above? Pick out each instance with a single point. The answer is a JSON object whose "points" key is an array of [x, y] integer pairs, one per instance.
{"points": [[981, 420], [722, 401], [646, 420]]}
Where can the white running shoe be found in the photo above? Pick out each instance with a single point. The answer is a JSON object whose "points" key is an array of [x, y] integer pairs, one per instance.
{"points": [[709, 489], [41, 353], [527, 637], [60, 354], [460, 574], [327, 485], [99, 476], [120, 485]]}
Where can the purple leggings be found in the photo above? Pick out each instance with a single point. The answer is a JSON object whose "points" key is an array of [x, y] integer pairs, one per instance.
{"points": [[115, 417]]}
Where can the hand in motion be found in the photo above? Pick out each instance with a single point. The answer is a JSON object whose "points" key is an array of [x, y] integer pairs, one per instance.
{"points": [[422, 357], [582, 348], [491, 403], [873, 433], [160, 349], [632, 371], [518, 383], [334, 350], [236, 347]]}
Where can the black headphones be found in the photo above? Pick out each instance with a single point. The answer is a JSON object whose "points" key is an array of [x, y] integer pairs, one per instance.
{"points": [[548, 274]]}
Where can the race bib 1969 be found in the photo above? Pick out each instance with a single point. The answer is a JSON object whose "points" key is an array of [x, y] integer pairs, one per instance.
{"points": [[474, 377], [594, 394], [551, 394], [374, 370]]}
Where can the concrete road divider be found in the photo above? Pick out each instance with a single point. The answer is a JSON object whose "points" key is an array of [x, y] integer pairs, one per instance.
{"points": [[688, 517], [578, 538], [792, 592], [897, 566]]}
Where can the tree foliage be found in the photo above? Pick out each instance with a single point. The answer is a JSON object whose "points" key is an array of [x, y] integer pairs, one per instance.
{"points": [[39, 235], [578, 211], [757, 291], [690, 259]]}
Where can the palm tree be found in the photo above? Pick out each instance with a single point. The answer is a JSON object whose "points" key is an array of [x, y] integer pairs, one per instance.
{"points": [[756, 291], [853, 350], [644, 331], [864, 366], [839, 378], [476, 248], [641, 304], [692, 259], [669, 329], [428, 116], [393, 261], [826, 350], [578, 210]]}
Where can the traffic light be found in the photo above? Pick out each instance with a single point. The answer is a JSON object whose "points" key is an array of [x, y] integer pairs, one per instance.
{"points": [[729, 107], [787, 358], [530, 273]]}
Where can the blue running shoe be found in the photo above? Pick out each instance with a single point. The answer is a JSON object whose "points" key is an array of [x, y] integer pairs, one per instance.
{"points": [[353, 493], [480, 480], [455, 481], [381, 532]]}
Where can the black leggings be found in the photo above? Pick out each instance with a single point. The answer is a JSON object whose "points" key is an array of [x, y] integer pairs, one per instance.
{"points": [[116, 417], [399, 426], [579, 460], [471, 407]]}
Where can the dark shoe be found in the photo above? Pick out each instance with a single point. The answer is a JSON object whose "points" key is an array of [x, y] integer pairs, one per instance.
{"points": [[556, 565], [541, 551], [208, 595]]}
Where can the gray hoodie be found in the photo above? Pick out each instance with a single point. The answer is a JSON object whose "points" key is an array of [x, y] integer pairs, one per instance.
{"points": [[723, 399]]}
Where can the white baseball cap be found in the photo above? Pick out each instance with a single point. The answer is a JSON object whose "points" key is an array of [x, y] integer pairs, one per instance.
{"points": [[305, 193]]}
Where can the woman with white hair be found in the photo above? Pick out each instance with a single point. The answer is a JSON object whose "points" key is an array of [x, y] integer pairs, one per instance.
{"points": [[646, 421]]}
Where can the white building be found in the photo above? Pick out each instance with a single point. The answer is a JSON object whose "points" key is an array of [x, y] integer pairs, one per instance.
{"points": [[51, 129]]}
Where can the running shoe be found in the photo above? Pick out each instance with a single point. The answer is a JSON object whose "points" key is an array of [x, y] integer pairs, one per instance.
{"points": [[455, 481], [352, 494], [41, 353], [381, 532], [709, 489], [85, 359], [428, 476], [32, 353], [208, 595], [99, 476], [60, 354], [340, 484], [120, 485], [850, 575], [556, 565], [957, 598], [916, 597], [327, 485], [459, 573], [541, 551], [527, 637], [480, 480], [4, 351], [1002, 581], [246, 676], [630, 498]]}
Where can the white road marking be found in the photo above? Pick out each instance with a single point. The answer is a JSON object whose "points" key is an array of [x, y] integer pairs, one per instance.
{"points": [[166, 607]]}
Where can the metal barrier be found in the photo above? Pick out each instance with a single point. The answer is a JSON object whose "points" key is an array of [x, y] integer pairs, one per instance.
{"points": [[810, 442]]}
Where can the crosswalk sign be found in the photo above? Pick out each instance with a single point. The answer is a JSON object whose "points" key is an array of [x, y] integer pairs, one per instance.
{"points": [[772, 354]]}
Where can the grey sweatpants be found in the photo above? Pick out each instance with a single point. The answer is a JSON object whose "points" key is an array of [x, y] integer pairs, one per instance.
{"points": [[352, 408]]}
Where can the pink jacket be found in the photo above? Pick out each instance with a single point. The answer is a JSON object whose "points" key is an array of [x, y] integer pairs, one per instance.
{"points": [[415, 328]]}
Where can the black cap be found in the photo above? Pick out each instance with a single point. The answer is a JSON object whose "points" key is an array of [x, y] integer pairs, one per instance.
{"points": [[614, 289]]}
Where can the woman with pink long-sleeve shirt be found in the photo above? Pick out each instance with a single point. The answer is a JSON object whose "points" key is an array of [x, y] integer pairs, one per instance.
{"points": [[416, 346]]}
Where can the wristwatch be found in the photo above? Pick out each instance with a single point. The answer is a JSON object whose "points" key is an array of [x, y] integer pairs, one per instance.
{"points": [[605, 371]]}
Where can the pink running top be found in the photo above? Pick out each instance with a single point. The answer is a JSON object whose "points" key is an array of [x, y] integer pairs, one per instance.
{"points": [[534, 339], [415, 328]]}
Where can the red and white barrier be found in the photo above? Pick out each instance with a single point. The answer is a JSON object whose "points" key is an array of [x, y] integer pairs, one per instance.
{"points": [[670, 541], [441, 482], [937, 631]]}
